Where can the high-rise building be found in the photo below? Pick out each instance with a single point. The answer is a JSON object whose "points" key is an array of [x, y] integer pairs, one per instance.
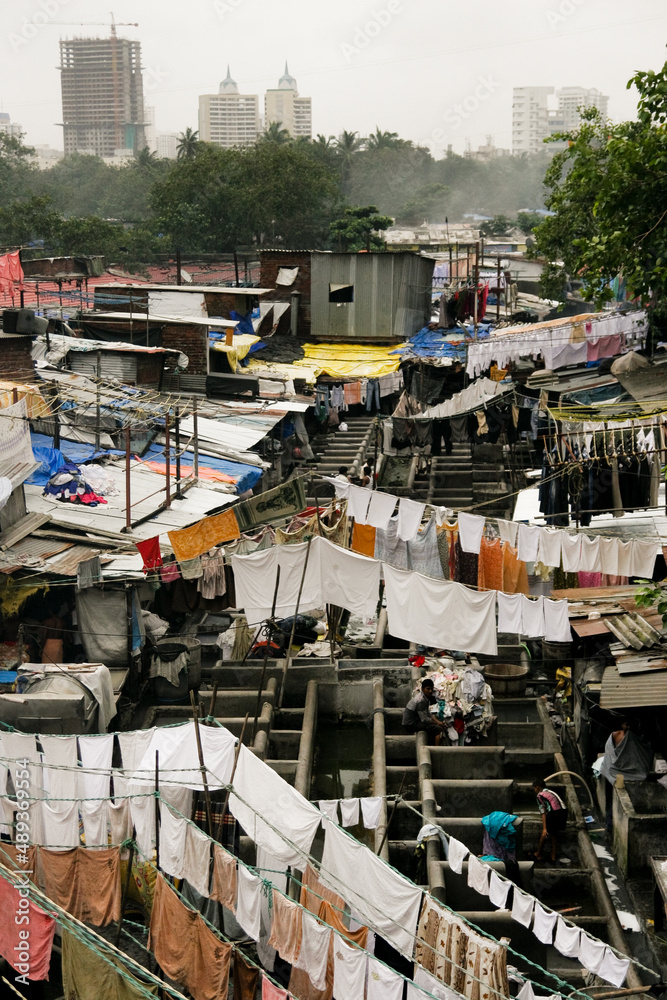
{"points": [[570, 99], [539, 112], [284, 107], [149, 128], [530, 118], [102, 95], [12, 129], [228, 118], [167, 145]]}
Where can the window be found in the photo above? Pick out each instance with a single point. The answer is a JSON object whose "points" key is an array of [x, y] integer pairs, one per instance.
{"points": [[341, 293]]}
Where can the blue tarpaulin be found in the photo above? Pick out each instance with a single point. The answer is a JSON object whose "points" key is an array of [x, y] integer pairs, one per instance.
{"points": [[246, 475], [435, 343], [53, 459]]}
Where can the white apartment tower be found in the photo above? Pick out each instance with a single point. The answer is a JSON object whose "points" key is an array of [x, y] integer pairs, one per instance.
{"points": [[228, 118], [570, 99], [284, 107], [530, 118], [538, 112]]}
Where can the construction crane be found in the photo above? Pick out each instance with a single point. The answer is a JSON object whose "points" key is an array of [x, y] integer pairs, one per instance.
{"points": [[121, 24]]}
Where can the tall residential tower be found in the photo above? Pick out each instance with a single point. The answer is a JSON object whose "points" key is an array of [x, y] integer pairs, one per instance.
{"points": [[284, 107], [228, 118], [102, 95]]}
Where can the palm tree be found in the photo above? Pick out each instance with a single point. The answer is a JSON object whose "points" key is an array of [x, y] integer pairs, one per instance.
{"points": [[188, 144], [274, 132], [348, 143], [145, 158], [383, 140], [324, 141]]}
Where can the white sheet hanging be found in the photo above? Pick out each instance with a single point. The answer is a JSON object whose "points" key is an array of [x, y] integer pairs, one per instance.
{"points": [[439, 613], [380, 509], [349, 811], [371, 808], [249, 902], [556, 621], [269, 809], [368, 884], [510, 617], [532, 616], [410, 515]]}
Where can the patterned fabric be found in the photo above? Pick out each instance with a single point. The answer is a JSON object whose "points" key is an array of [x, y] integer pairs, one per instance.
{"points": [[490, 567], [515, 574], [289, 498], [466, 565], [443, 550]]}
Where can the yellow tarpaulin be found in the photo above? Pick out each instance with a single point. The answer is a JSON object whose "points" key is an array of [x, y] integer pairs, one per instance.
{"points": [[351, 360], [37, 405], [237, 350]]}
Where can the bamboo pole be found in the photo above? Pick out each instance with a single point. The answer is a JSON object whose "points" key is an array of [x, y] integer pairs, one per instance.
{"points": [[202, 766], [288, 654]]}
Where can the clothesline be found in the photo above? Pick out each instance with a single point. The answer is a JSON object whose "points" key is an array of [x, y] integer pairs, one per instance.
{"points": [[281, 833], [267, 825]]}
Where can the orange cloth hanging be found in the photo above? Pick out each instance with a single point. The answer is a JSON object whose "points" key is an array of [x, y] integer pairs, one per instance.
{"points": [[223, 890], [84, 882], [515, 574], [285, 928], [490, 565], [188, 543], [363, 539]]}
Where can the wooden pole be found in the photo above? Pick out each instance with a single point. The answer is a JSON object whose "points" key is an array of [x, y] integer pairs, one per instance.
{"points": [[126, 888], [498, 292], [202, 766], [157, 809], [167, 455], [225, 805], [214, 695], [195, 440], [391, 815], [128, 487], [266, 656], [288, 654], [98, 414]]}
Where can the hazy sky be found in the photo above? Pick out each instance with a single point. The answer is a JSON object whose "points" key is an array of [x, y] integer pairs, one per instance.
{"points": [[404, 65]]}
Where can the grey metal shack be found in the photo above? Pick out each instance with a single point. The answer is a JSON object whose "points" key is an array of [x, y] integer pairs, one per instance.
{"points": [[374, 296]]}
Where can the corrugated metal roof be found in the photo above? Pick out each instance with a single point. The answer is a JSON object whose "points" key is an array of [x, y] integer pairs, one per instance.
{"points": [[67, 563], [634, 691], [29, 552]]}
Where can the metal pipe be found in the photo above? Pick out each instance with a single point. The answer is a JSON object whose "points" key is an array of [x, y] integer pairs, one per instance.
{"points": [[379, 761], [167, 455], [128, 486], [195, 439], [574, 774]]}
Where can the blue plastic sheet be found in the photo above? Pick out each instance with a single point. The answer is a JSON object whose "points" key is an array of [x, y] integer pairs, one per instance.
{"points": [[52, 459], [246, 475]]}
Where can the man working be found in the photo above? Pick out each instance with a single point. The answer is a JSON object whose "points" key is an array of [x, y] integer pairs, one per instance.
{"points": [[554, 817], [417, 717]]}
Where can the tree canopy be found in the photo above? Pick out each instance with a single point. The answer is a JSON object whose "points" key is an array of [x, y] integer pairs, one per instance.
{"points": [[359, 229], [608, 190]]}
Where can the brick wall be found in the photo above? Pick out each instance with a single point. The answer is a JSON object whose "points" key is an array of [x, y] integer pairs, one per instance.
{"points": [[270, 263], [192, 340], [149, 368], [15, 358]]}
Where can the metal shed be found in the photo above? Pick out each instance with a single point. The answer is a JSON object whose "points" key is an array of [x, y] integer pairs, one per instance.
{"points": [[369, 296]]}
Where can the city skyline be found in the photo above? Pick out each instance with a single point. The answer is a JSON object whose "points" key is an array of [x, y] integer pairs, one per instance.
{"points": [[368, 65]]}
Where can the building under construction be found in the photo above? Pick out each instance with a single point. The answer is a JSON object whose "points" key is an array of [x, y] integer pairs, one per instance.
{"points": [[102, 93]]}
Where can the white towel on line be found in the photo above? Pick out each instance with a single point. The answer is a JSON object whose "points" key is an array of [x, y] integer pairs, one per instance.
{"points": [[330, 809], [349, 811], [590, 555], [543, 924], [529, 537], [571, 552], [471, 529], [358, 500], [508, 531], [549, 547], [510, 617], [380, 509], [410, 515], [478, 875], [458, 852], [498, 889], [522, 907], [567, 939], [249, 902], [383, 982], [556, 621], [371, 808], [313, 954], [532, 616], [196, 859]]}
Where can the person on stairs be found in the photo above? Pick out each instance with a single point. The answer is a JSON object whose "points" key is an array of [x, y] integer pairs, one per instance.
{"points": [[554, 818]]}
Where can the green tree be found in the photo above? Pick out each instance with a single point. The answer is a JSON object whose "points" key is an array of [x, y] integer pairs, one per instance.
{"points": [[529, 221], [275, 133], [189, 144], [358, 229], [428, 202], [499, 225], [384, 140], [260, 195], [608, 190]]}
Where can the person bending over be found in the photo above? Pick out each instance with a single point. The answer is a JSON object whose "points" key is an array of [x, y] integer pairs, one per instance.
{"points": [[554, 818]]}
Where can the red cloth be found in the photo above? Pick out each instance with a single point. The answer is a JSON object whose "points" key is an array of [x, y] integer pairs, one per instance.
{"points": [[38, 924], [150, 552], [271, 992], [11, 272]]}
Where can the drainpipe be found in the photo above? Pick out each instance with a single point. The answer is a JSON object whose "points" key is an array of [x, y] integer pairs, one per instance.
{"points": [[294, 312]]}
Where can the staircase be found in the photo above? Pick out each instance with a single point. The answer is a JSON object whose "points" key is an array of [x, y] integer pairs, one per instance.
{"points": [[343, 447], [451, 481]]}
